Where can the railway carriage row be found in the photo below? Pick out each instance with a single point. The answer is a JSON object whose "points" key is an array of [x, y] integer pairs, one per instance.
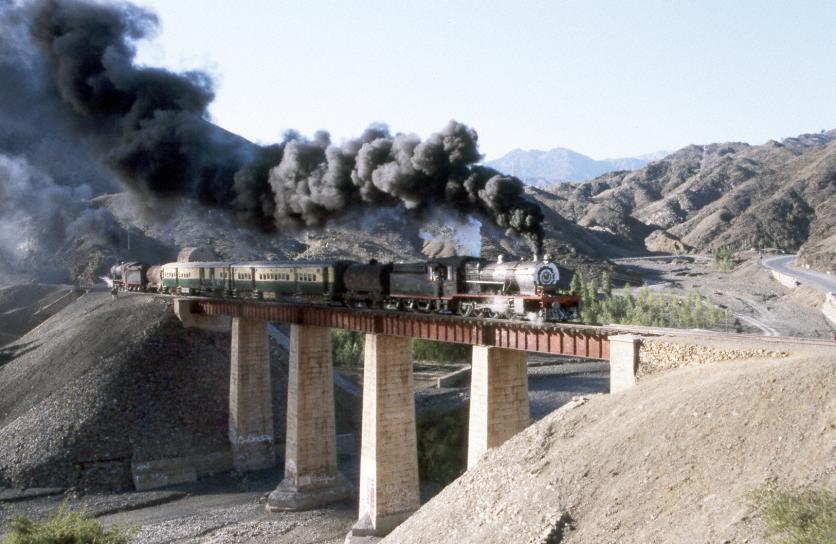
{"points": [[466, 286]]}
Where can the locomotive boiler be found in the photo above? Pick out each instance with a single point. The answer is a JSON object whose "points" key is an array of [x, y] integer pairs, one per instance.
{"points": [[129, 276]]}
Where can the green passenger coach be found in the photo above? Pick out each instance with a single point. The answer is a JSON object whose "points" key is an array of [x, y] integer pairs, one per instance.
{"points": [[267, 280], [168, 277], [272, 280], [189, 278]]}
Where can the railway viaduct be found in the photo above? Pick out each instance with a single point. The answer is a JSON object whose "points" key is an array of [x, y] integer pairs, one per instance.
{"points": [[389, 487]]}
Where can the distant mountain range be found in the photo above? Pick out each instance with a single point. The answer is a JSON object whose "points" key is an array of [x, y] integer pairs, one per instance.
{"points": [[542, 168], [724, 195]]}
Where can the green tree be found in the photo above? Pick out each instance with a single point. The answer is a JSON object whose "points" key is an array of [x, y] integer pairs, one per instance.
{"points": [[440, 352], [606, 283], [724, 258], [576, 283], [346, 347]]}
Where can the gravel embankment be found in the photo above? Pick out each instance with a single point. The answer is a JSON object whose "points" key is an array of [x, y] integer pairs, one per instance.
{"points": [[104, 383], [672, 460]]}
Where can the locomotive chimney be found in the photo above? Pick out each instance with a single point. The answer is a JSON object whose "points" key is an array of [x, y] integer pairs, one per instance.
{"points": [[499, 258], [535, 259]]}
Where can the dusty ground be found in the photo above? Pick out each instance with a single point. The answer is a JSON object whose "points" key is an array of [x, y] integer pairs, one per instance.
{"points": [[761, 305], [224, 508], [672, 460]]}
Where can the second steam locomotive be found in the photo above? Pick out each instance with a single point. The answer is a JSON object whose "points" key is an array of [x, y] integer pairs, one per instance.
{"points": [[466, 286]]}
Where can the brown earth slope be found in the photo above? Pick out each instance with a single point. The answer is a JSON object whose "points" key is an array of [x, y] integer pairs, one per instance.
{"points": [[669, 461], [780, 194]]}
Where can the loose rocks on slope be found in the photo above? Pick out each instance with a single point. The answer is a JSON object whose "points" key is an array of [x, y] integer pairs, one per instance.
{"points": [[672, 460], [104, 383]]}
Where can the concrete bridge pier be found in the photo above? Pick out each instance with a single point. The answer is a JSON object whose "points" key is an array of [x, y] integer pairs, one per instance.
{"points": [[250, 397], [389, 491], [498, 399], [310, 472]]}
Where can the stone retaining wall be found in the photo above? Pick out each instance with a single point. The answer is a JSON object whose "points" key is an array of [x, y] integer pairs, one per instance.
{"points": [[660, 355], [785, 280]]}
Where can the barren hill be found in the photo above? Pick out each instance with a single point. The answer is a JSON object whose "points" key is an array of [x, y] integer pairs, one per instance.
{"points": [[104, 383], [672, 461], [780, 194]]}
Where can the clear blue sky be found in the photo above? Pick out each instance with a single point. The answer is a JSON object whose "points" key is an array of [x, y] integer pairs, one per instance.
{"points": [[607, 79]]}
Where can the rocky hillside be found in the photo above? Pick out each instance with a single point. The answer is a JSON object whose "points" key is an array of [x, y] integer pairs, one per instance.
{"points": [[105, 383], [672, 460], [704, 197]]}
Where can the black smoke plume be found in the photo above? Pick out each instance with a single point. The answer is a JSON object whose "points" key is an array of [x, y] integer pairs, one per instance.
{"points": [[151, 127]]}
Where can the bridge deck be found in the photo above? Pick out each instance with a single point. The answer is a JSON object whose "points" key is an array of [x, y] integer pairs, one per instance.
{"points": [[588, 341]]}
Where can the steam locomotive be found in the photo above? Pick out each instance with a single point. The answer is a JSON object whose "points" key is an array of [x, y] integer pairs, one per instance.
{"points": [[466, 286]]}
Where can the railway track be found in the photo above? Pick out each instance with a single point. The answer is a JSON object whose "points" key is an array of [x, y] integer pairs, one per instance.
{"points": [[635, 329], [593, 329]]}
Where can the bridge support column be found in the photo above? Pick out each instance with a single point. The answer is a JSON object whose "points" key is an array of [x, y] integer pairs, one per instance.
{"points": [[498, 399], [310, 471], [389, 490], [624, 361], [250, 397]]}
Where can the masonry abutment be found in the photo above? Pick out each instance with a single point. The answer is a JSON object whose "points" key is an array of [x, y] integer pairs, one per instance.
{"points": [[498, 399], [186, 312], [250, 397], [389, 489], [311, 478], [624, 361]]}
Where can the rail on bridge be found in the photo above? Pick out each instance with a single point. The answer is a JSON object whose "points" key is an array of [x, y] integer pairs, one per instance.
{"points": [[555, 338]]}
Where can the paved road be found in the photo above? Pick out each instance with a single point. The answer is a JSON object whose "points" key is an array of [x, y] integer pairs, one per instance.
{"points": [[820, 281]]}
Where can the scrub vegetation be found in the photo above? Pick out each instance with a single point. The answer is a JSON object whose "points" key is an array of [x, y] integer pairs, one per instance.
{"points": [[64, 527], [442, 446], [797, 517], [646, 308], [347, 350]]}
